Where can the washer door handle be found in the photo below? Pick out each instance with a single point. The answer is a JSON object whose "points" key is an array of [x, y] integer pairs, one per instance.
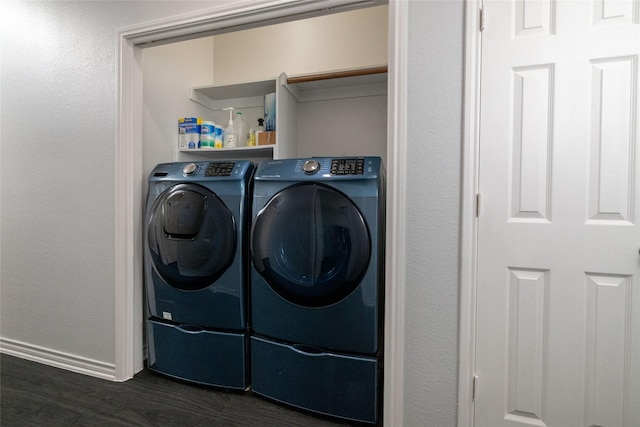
{"points": [[308, 350]]}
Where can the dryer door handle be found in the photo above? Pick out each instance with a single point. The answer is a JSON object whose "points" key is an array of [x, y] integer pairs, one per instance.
{"points": [[308, 350], [190, 329]]}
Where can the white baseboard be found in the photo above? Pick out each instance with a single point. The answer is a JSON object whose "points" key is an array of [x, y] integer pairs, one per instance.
{"points": [[58, 359]]}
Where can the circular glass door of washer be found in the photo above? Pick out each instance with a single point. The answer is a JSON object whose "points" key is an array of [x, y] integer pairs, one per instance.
{"points": [[191, 236]]}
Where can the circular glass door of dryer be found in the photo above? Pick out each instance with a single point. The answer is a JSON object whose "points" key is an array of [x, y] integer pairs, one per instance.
{"points": [[311, 244], [191, 236]]}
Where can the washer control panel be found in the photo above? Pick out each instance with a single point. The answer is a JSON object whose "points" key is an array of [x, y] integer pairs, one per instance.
{"points": [[225, 170], [189, 168], [219, 169]]}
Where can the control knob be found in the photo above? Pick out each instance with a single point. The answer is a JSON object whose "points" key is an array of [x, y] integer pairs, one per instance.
{"points": [[310, 167], [189, 168]]}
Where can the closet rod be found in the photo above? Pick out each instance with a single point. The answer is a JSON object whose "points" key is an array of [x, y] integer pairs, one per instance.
{"points": [[337, 75]]}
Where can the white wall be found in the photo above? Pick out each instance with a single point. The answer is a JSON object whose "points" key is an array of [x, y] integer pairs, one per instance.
{"points": [[355, 126], [344, 127], [322, 44], [168, 72], [57, 191]]}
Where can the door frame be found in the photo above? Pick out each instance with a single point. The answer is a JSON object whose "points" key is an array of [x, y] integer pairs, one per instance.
{"points": [[128, 168], [129, 199], [469, 211]]}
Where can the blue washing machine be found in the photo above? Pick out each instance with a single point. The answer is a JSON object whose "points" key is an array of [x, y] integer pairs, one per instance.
{"points": [[196, 271], [317, 285]]}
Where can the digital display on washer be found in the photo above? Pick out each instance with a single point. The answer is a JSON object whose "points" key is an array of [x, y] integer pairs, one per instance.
{"points": [[347, 166], [219, 169]]}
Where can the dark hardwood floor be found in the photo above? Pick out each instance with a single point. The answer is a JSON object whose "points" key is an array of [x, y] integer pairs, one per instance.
{"points": [[33, 394]]}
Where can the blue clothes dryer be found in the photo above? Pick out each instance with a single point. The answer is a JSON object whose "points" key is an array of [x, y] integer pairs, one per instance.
{"points": [[196, 271], [317, 284]]}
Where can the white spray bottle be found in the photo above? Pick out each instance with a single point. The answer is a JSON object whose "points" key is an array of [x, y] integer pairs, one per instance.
{"points": [[230, 134], [241, 129]]}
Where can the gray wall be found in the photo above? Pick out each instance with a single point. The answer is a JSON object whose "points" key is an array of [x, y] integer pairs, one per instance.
{"points": [[57, 89], [433, 210], [57, 120]]}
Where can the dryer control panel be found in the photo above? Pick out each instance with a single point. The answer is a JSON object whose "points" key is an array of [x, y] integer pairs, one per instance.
{"points": [[338, 167], [321, 169], [347, 166]]}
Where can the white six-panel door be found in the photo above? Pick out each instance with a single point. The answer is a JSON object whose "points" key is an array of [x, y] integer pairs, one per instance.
{"points": [[558, 291]]}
